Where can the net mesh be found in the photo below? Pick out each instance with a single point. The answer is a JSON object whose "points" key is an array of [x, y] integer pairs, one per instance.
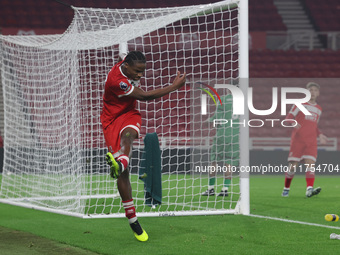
{"points": [[53, 87]]}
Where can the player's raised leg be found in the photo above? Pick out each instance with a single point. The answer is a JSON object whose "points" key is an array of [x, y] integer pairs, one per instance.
{"points": [[123, 182]]}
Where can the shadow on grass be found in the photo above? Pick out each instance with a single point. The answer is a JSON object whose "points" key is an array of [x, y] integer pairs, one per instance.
{"points": [[14, 242]]}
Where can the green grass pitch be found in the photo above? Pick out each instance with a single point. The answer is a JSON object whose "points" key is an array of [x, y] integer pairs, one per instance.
{"points": [[222, 234], [180, 193]]}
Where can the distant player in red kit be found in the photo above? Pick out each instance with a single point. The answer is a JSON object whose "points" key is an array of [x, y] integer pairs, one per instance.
{"points": [[122, 122], [303, 145]]}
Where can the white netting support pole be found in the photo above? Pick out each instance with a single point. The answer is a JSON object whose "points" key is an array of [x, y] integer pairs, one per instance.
{"points": [[244, 84], [123, 50]]}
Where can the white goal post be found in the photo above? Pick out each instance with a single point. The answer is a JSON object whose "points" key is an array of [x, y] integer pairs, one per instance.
{"points": [[54, 149]]}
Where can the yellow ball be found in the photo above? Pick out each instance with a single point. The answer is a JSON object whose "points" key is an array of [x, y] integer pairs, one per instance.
{"points": [[331, 217]]}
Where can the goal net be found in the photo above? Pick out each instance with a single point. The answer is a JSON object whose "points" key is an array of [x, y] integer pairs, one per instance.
{"points": [[53, 86]]}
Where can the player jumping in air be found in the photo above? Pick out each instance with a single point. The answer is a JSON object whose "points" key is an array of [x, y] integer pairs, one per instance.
{"points": [[303, 145], [122, 122]]}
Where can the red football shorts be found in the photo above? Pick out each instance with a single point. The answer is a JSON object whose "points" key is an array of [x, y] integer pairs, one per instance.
{"points": [[301, 150], [112, 132]]}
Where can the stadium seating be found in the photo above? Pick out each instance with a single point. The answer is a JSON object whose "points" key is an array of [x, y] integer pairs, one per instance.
{"points": [[291, 63], [263, 63], [49, 14], [326, 15], [263, 16]]}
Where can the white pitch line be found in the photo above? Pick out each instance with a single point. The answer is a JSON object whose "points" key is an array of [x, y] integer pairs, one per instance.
{"points": [[293, 221]]}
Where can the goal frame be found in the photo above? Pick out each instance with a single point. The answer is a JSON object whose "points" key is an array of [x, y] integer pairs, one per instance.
{"points": [[243, 205]]}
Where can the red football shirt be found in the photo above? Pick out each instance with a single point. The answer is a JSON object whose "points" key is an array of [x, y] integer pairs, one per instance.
{"points": [[116, 102], [309, 123]]}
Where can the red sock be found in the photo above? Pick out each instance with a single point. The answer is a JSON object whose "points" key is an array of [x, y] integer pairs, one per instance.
{"points": [[130, 210], [288, 179], [124, 160], [310, 178]]}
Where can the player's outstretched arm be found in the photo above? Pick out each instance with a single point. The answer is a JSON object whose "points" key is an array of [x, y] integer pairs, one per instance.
{"points": [[140, 94]]}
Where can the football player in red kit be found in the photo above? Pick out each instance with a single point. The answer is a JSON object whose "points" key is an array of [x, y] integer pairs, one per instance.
{"points": [[303, 145], [121, 123]]}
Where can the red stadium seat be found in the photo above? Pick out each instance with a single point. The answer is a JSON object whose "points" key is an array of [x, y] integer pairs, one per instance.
{"points": [[261, 12], [325, 15]]}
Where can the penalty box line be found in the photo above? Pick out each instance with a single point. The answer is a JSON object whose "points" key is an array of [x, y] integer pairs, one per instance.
{"points": [[293, 221]]}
